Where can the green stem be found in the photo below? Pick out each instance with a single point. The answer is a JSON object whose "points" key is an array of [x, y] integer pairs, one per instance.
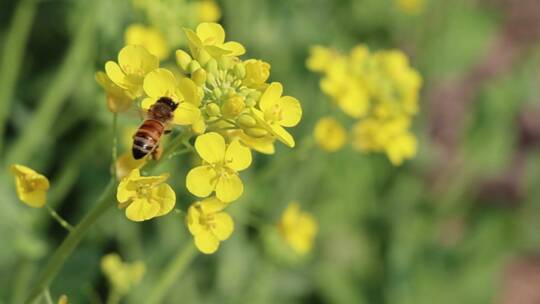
{"points": [[65, 81], [47, 295], [59, 219], [65, 249], [14, 47], [173, 271], [114, 145], [172, 148]]}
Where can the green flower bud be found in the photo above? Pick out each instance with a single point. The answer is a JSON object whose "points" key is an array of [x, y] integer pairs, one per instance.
{"points": [[246, 121], [183, 60], [204, 57], [211, 79], [193, 66], [256, 132], [239, 70], [233, 106], [212, 66], [199, 77], [250, 102], [212, 109], [217, 92]]}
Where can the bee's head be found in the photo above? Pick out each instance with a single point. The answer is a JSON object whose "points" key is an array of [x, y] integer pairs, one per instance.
{"points": [[169, 102]]}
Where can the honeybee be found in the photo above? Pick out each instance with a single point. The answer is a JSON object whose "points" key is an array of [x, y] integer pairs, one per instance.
{"points": [[147, 137]]}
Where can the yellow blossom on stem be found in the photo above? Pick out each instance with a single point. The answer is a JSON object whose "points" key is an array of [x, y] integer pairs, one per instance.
{"points": [[209, 224], [31, 186], [121, 275], [320, 58], [329, 134], [411, 7], [219, 171], [134, 62], [278, 111], [148, 37], [145, 197], [298, 228], [162, 83], [117, 99], [210, 37]]}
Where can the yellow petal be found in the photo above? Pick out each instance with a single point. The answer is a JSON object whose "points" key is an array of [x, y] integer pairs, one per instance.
{"points": [[115, 73], [193, 220], [160, 82], [216, 51], [212, 205], [330, 134], [141, 210], [224, 226], [166, 198], [237, 156], [135, 59], [229, 188], [283, 136], [235, 48], [206, 242], [291, 111], [211, 33], [188, 88], [147, 103], [192, 37], [34, 199], [31, 186], [186, 114], [271, 96], [201, 181], [211, 147]]}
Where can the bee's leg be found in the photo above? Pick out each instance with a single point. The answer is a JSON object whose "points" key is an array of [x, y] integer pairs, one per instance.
{"points": [[156, 154]]}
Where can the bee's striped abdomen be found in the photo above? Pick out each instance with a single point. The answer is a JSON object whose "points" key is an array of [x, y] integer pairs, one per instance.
{"points": [[147, 138]]}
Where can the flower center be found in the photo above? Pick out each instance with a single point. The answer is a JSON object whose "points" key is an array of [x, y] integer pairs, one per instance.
{"points": [[273, 114]]}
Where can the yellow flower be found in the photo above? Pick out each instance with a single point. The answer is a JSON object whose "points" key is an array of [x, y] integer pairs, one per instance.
{"points": [[263, 144], [117, 98], [219, 171], [298, 228], [211, 38], [390, 136], [31, 186], [122, 276], [411, 7], [330, 134], [63, 299], [320, 58], [145, 197], [162, 83], [134, 62], [257, 73], [278, 111], [208, 11], [148, 37], [209, 224]]}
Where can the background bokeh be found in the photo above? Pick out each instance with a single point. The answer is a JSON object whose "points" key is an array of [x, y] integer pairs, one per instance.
{"points": [[457, 224]]}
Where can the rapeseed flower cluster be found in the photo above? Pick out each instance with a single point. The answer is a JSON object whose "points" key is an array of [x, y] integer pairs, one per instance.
{"points": [[298, 228], [226, 103], [378, 89]]}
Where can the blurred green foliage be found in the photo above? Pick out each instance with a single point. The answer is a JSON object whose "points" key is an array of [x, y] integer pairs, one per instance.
{"points": [[387, 234]]}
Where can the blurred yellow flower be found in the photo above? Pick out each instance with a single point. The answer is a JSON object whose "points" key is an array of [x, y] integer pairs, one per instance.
{"points": [[63, 299], [298, 228], [31, 186], [278, 111], [380, 89], [126, 163], [211, 38], [411, 7], [122, 276], [162, 83], [134, 62], [219, 171], [329, 134], [390, 136], [145, 197], [148, 37], [117, 98], [209, 224], [208, 11]]}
